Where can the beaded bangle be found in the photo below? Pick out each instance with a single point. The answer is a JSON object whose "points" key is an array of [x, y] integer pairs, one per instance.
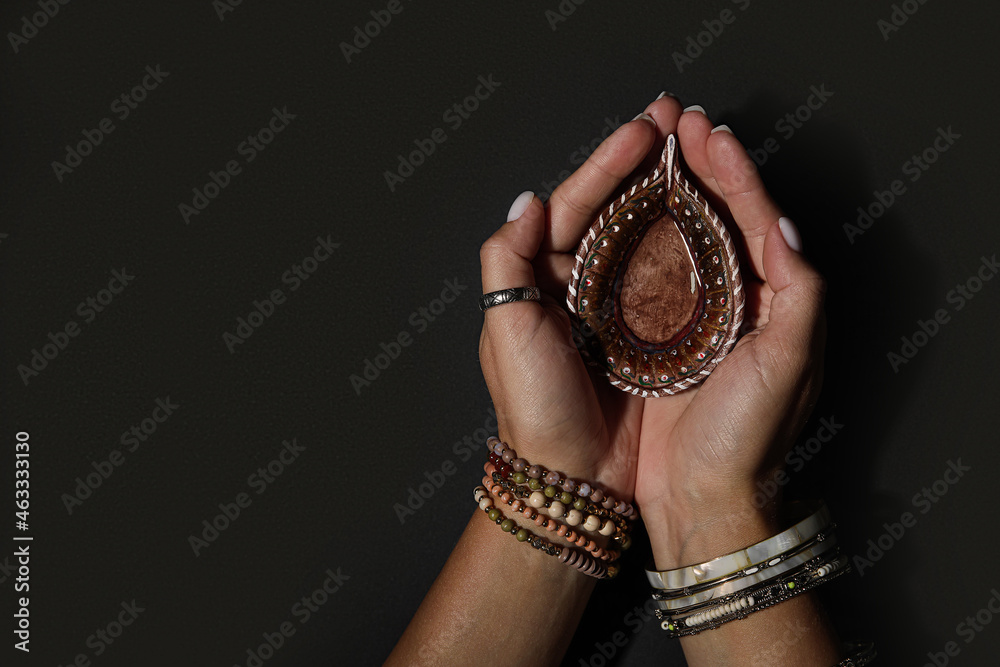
{"points": [[805, 578], [553, 494], [572, 557], [550, 524], [504, 457], [600, 521]]}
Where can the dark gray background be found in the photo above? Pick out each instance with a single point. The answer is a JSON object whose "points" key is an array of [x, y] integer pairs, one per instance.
{"points": [[364, 450]]}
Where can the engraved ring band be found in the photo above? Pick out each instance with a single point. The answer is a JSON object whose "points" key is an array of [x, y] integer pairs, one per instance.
{"points": [[509, 296]]}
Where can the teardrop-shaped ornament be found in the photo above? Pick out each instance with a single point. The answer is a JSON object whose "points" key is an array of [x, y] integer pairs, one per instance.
{"points": [[656, 290]]}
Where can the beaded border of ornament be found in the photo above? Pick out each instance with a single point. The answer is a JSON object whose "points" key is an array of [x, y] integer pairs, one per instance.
{"points": [[672, 175]]}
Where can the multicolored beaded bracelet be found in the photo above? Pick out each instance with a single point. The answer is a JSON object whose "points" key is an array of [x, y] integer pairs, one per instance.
{"points": [[601, 521], [553, 493], [519, 507], [572, 557], [508, 462]]}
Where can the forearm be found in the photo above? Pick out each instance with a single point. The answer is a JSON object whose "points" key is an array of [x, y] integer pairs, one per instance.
{"points": [[794, 632], [496, 598]]}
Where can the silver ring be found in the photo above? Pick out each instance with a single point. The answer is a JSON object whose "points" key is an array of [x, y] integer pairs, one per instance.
{"points": [[509, 296]]}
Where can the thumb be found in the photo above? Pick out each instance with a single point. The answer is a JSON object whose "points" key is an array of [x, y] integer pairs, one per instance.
{"points": [[507, 255]]}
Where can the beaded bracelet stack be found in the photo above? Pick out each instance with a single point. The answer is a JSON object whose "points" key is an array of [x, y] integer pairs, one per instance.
{"points": [[563, 506]]}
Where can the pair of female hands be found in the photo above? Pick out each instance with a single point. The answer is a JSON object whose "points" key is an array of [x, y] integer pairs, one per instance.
{"points": [[691, 461]]}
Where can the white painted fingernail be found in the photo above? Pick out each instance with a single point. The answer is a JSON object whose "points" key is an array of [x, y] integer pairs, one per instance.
{"points": [[520, 205], [665, 94], [645, 116], [790, 233], [721, 128], [696, 107]]}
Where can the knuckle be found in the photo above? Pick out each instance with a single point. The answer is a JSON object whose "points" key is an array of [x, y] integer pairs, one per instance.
{"points": [[492, 250], [815, 286]]}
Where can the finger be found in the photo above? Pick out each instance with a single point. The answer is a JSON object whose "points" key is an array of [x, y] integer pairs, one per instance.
{"points": [[739, 181], [506, 256], [665, 110], [796, 308], [693, 130], [575, 203]]}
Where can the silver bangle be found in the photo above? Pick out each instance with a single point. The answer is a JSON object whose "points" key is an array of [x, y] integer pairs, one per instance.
{"points": [[677, 604], [743, 559], [666, 594]]}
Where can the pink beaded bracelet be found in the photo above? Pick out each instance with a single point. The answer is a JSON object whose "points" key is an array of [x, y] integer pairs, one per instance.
{"points": [[508, 463], [581, 561]]}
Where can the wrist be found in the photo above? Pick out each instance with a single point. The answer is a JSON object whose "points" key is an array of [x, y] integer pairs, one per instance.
{"points": [[687, 532]]}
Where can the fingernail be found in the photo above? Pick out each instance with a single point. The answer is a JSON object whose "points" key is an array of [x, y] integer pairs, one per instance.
{"points": [[697, 107], [721, 128], [665, 94], [520, 205], [790, 233], [645, 116]]}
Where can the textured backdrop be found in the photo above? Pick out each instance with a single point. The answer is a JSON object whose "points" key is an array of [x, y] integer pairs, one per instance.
{"points": [[239, 251]]}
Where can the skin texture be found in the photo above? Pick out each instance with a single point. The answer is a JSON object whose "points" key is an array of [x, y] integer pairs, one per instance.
{"points": [[690, 462]]}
